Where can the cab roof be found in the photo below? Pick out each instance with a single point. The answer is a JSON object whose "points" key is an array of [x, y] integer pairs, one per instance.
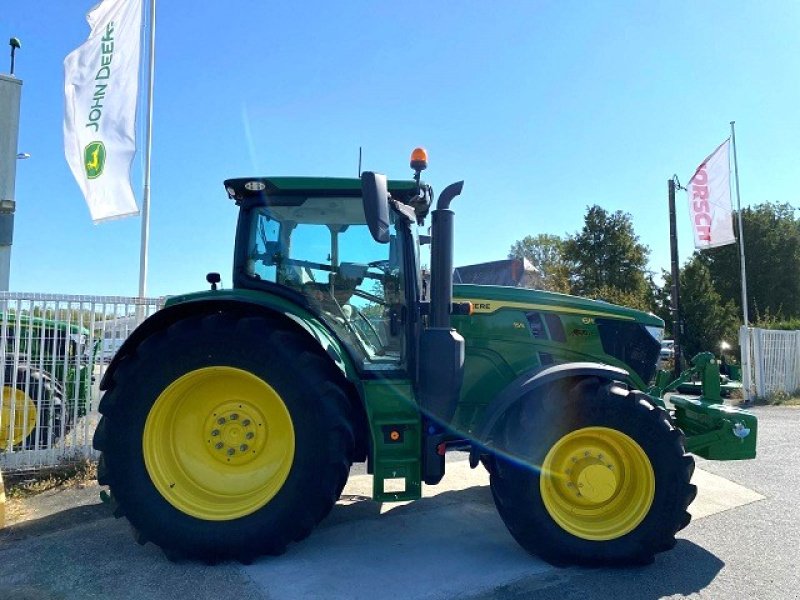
{"points": [[253, 188]]}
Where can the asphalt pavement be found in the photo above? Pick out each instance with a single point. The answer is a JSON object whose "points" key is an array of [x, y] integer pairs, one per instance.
{"points": [[744, 542]]}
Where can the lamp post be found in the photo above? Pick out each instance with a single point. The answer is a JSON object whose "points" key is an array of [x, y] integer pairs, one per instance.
{"points": [[10, 91]]}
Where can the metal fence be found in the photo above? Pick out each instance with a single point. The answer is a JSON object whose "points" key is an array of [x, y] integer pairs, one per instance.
{"points": [[770, 362], [54, 350]]}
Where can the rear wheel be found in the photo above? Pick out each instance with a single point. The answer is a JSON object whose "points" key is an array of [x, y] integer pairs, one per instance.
{"points": [[593, 474], [225, 437]]}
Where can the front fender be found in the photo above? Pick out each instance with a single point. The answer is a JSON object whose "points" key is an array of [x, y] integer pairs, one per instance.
{"points": [[530, 381]]}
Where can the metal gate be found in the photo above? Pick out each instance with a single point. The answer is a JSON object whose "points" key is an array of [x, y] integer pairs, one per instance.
{"points": [[54, 350], [770, 361]]}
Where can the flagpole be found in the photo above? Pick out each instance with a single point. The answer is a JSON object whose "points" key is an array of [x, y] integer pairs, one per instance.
{"points": [[148, 147], [741, 231]]}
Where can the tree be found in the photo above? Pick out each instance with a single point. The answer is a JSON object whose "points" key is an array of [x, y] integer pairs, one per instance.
{"points": [[707, 318], [606, 257], [545, 252], [662, 299], [772, 255]]}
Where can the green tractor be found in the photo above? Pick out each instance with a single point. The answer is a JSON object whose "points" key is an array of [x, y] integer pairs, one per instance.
{"points": [[231, 418], [46, 379]]}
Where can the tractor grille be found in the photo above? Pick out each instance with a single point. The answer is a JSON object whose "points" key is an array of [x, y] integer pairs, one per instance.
{"points": [[630, 343]]}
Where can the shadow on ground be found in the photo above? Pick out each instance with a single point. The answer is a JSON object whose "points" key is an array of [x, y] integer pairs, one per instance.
{"points": [[59, 521], [454, 543], [685, 570]]}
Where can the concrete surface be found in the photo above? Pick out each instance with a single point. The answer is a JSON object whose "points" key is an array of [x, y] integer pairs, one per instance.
{"points": [[455, 545], [743, 543]]}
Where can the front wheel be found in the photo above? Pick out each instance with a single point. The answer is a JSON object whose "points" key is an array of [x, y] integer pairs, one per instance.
{"points": [[593, 474]]}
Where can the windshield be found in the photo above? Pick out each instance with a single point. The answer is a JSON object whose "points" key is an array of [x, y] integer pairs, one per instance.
{"points": [[323, 249]]}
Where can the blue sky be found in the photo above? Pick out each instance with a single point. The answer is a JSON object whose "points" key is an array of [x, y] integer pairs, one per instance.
{"points": [[542, 108]]}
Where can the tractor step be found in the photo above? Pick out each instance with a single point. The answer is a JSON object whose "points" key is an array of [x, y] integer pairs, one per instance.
{"points": [[396, 431]]}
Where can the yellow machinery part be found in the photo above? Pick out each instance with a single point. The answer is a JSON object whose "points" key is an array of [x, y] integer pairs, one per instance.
{"points": [[24, 411], [597, 483], [218, 443]]}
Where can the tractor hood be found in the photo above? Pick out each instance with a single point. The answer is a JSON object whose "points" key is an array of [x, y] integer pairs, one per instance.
{"points": [[488, 299]]}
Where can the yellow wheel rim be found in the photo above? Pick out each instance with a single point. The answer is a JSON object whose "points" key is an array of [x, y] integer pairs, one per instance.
{"points": [[218, 443], [24, 416], [597, 483]]}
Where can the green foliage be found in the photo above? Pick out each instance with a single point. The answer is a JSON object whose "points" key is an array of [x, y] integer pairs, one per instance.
{"points": [[769, 320], [781, 399], [545, 252], [624, 298], [663, 306], [607, 259], [707, 318], [772, 254]]}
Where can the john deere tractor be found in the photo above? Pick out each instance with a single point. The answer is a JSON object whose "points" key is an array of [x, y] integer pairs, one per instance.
{"points": [[45, 379], [231, 418]]}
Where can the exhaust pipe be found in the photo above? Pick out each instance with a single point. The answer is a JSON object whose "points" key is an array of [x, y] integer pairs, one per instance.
{"points": [[442, 256]]}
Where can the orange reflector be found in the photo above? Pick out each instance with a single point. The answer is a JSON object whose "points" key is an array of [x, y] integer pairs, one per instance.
{"points": [[419, 159], [395, 435]]}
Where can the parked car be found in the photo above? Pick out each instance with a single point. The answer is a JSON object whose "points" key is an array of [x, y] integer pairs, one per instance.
{"points": [[667, 350]]}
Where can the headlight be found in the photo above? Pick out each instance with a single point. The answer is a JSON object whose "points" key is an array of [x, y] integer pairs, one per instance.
{"points": [[656, 332]]}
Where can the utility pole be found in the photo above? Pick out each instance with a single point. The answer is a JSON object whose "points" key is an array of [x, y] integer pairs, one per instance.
{"points": [[10, 92], [745, 317], [675, 291]]}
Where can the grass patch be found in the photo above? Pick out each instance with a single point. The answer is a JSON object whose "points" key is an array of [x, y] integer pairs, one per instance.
{"points": [[780, 399], [73, 474]]}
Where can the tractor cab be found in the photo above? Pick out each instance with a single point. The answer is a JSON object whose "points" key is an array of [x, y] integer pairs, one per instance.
{"points": [[308, 239]]}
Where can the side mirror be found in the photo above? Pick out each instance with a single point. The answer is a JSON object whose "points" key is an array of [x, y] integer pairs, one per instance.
{"points": [[375, 193]]}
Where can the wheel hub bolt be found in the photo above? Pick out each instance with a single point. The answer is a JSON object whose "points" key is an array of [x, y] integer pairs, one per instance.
{"points": [[221, 420], [246, 422], [215, 432], [231, 451], [234, 416], [219, 445], [243, 447], [250, 435]]}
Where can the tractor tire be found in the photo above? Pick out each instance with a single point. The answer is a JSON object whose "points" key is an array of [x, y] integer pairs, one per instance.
{"points": [[225, 436], [592, 474]]}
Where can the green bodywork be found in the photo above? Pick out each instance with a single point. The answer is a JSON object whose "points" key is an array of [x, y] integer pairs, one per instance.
{"points": [[512, 334], [500, 347], [298, 314], [54, 346], [501, 343]]}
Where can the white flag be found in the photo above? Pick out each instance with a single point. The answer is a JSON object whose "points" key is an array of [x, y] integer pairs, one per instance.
{"points": [[710, 208], [101, 85]]}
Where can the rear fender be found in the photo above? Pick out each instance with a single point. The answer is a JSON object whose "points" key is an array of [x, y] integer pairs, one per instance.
{"points": [[307, 324], [528, 382]]}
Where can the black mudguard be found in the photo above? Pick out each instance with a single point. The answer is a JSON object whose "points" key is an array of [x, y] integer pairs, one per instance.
{"points": [[527, 383]]}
